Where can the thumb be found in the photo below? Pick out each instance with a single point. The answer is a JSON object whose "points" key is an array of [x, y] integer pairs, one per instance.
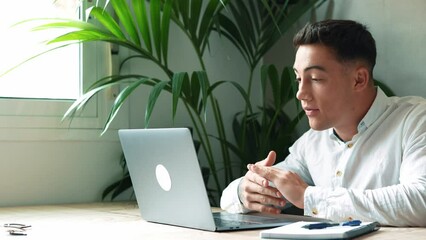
{"points": [[269, 160]]}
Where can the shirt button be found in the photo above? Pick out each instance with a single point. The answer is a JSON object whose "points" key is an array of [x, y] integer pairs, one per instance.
{"points": [[339, 173], [314, 211], [350, 145]]}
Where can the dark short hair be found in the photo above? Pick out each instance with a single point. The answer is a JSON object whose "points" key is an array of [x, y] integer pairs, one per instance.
{"points": [[350, 40]]}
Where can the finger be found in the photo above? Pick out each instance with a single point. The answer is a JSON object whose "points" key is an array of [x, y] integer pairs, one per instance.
{"points": [[252, 197], [264, 172], [253, 187], [263, 203], [269, 160], [259, 198], [263, 208], [256, 178]]}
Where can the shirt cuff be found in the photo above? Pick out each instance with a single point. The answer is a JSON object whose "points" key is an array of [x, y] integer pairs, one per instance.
{"points": [[315, 202], [230, 200]]}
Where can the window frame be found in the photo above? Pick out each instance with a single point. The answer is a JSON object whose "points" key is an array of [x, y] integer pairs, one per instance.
{"points": [[21, 117]]}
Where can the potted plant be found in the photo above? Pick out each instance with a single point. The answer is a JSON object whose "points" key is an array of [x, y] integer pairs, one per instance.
{"points": [[252, 26]]}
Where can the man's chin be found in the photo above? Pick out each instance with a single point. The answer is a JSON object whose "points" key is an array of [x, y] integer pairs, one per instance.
{"points": [[317, 126]]}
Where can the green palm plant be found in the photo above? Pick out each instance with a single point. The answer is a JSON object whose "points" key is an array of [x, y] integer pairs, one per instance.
{"points": [[252, 26], [270, 128]]}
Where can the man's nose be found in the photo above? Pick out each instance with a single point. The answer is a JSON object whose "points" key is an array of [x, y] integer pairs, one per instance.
{"points": [[302, 91]]}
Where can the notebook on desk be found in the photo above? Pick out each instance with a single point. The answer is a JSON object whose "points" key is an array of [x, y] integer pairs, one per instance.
{"points": [[299, 230], [169, 186]]}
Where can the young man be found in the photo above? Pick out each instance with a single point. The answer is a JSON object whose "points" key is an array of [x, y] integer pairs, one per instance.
{"points": [[365, 154]]}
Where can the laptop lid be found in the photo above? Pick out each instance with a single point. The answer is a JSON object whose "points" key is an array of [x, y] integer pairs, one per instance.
{"points": [[166, 177], [168, 184]]}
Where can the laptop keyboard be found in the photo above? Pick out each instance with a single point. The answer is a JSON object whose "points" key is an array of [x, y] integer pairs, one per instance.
{"points": [[227, 219], [228, 222]]}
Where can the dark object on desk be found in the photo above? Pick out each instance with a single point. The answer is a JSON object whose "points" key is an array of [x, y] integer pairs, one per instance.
{"points": [[323, 225], [352, 223], [17, 229], [320, 225]]}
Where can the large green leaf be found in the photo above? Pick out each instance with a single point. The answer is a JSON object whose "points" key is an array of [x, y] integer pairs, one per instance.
{"points": [[165, 25], [107, 21], [142, 20], [122, 10], [97, 87], [84, 36], [155, 7], [183, 9], [204, 85], [152, 100], [243, 18], [230, 30], [121, 98], [194, 16], [206, 23], [190, 90], [82, 101], [274, 82], [194, 93], [86, 32], [65, 24], [289, 86], [177, 82], [187, 15]]}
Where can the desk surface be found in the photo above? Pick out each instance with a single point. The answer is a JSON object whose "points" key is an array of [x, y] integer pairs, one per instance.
{"points": [[123, 221]]}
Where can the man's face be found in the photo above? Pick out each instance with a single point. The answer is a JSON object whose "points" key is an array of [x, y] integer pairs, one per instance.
{"points": [[325, 87]]}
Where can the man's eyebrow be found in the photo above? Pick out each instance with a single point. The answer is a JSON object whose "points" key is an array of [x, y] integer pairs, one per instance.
{"points": [[317, 67]]}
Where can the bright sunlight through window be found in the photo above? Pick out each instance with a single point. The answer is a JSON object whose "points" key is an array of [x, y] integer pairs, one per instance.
{"points": [[55, 75]]}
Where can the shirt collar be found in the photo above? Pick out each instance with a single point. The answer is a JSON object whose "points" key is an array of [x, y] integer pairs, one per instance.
{"points": [[378, 107]]}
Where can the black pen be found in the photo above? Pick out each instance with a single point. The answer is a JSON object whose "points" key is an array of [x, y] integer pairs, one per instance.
{"points": [[352, 223], [323, 225], [320, 225]]}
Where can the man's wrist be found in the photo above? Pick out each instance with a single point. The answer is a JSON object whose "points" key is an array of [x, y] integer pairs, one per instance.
{"points": [[239, 192]]}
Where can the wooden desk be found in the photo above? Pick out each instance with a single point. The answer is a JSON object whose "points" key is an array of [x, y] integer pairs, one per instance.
{"points": [[122, 221]]}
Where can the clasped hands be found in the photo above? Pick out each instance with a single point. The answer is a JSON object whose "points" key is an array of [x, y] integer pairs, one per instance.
{"points": [[258, 194]]}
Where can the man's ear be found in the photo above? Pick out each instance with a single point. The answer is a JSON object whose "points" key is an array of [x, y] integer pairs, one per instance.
{"points": [[362, 78]]}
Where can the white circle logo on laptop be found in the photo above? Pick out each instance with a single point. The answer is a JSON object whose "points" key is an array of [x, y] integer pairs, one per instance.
{"points": [[163, 177]]}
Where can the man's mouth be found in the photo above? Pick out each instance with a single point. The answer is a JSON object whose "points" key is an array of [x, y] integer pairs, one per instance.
{"points": [[311, 111]]}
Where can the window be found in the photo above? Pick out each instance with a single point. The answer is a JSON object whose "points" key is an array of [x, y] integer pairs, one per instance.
{"points": [[37, 94], [52, 76]]}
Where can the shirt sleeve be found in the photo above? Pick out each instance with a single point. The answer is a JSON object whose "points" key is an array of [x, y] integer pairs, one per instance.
{"points": [[398, 205], [230, 201]]}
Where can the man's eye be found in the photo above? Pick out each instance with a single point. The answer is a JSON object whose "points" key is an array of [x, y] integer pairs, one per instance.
{"points": [[298, 80], [315, 79]]}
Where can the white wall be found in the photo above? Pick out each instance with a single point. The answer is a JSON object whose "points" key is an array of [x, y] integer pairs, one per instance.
{"points": [[60, 171], [400, 32]]}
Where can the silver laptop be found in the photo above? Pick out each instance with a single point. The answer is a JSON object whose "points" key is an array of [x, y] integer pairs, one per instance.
{"points": [[169, 187]]}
